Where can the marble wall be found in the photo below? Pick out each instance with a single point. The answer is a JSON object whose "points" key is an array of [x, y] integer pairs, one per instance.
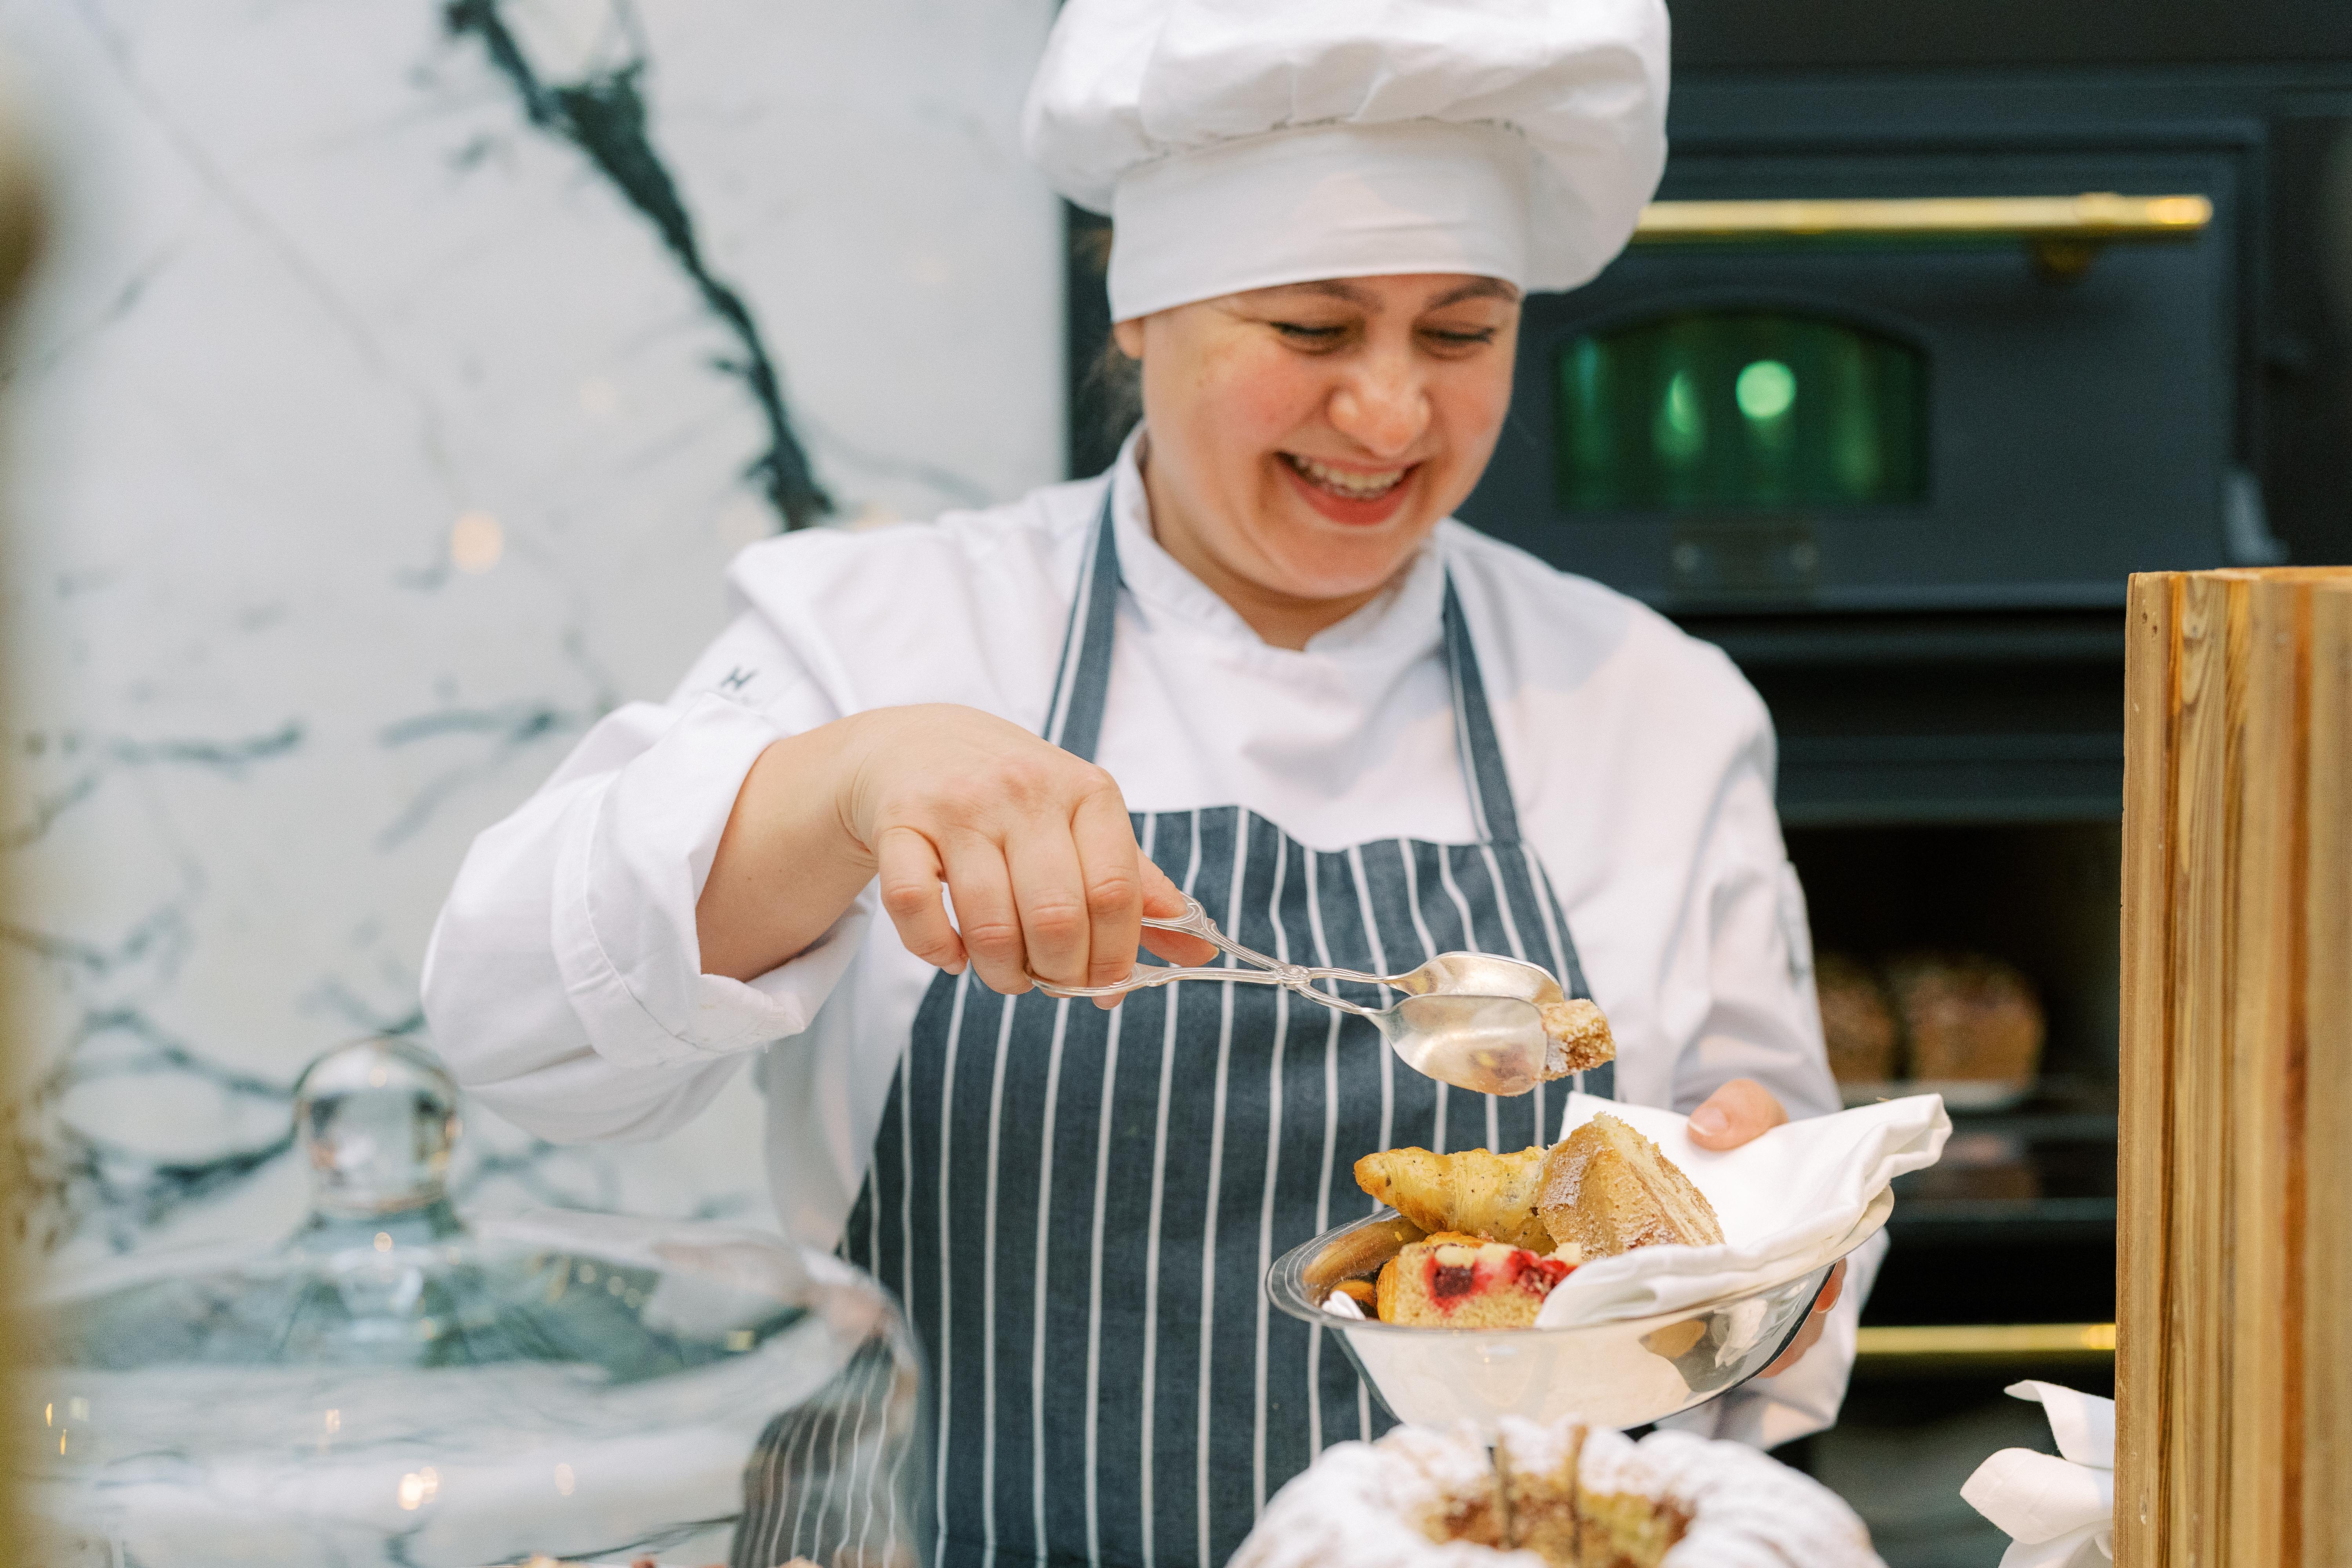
{"points": [[402, 376]]}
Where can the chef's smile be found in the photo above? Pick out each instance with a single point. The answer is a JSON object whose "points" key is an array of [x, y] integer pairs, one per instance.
{"points": [[1351, 494]]}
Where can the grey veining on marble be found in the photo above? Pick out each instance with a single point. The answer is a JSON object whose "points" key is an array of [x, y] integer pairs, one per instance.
{"points": [[602, 112], [402, 379]]}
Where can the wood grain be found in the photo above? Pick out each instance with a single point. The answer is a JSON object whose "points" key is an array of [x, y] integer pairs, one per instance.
{"points": [[2261, 1328], [2198, 1439], [2234, 1162], [2326, 1512], [2144, 1149]]}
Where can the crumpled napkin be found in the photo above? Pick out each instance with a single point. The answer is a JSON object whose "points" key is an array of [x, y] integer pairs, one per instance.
{"points": [[1795, 1193], [2059, 1511]]}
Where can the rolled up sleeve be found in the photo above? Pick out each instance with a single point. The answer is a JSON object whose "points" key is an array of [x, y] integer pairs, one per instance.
{"points": [[631, 863], [563, 982]]}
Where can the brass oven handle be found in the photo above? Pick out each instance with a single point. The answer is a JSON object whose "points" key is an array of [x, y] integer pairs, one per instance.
{"points": [[2096, 217], [1985, 1340]]}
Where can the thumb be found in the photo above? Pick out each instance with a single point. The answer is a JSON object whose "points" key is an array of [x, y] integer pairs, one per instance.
{"points": [[1738, 1113], [1163, 900]]}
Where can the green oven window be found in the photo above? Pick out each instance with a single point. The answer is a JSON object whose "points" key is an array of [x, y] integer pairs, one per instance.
{"points": [[1740, 410]]}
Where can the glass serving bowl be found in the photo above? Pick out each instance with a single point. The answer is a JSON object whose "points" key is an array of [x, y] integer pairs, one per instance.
{"points": [[392, 1386], [1621, 1372]]}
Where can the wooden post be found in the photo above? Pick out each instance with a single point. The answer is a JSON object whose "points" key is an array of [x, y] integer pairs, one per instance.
{"points": [[2233, 1290]]}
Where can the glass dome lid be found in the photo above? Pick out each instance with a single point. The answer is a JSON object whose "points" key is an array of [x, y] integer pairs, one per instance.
{"points": [[392, 1385]]}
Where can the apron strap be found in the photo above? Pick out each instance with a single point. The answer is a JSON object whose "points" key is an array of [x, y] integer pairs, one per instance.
{"points": [[1498, 820], [1082, 683], [1081, 686]]}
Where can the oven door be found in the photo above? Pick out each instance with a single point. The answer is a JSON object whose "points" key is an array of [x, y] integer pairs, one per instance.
{"points": [[1848, 423]]}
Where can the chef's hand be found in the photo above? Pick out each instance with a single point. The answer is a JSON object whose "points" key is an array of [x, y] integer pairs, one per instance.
{"points": [[1032, 844], [1739, 1111]]}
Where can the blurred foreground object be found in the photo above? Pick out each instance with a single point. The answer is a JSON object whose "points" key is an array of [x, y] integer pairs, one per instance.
{"points": [[391, 1385], [2233, 1269], [21, 230], [23, 217]]}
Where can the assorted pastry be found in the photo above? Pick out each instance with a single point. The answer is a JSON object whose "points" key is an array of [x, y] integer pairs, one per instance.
{"points": [[1504, 1229], [1575, 1496]]}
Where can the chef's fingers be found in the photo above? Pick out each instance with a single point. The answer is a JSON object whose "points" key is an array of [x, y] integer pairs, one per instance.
{"points": [[1049, 889], [1739, 1112], [987, 917], [1831, 1289], [1108, 861], [1163, 900], [909, 878], [1815, 1321]]}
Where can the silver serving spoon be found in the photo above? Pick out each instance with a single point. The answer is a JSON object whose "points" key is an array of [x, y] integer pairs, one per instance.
{"points": [[1470, 1020]]}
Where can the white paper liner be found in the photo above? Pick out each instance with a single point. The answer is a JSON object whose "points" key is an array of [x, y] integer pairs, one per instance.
{"points": [[1793, 1194]]}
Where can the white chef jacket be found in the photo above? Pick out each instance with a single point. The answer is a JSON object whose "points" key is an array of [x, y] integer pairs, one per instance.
{"points": [[563, 984]]}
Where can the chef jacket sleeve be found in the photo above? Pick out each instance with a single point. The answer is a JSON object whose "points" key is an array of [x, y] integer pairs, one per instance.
{"points": [[563, 984], [1764, 1022]]}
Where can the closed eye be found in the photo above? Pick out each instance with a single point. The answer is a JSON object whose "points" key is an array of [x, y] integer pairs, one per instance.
{"points": [[1299, 331]]}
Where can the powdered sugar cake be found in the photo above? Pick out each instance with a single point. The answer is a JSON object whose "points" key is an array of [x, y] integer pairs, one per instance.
{"points": [[1564, 1493]]}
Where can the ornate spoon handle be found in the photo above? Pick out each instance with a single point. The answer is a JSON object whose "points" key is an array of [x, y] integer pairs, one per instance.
{"points": [[1148, 976]]}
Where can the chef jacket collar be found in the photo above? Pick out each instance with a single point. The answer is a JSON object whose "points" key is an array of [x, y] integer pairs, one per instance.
{"points": [[1408, 617]]}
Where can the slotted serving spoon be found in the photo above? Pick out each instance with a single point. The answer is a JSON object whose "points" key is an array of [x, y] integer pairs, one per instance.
{"points": [[1469, 1019]]}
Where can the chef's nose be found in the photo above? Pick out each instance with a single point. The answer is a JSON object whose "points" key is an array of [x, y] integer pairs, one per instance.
{"points": [[1382, 405]]}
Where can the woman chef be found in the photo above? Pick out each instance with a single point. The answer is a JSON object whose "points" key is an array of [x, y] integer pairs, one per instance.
{"points": [[1256, 661]]}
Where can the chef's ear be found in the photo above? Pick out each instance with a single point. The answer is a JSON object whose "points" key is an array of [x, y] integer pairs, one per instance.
{"points": [[1128, 336]]}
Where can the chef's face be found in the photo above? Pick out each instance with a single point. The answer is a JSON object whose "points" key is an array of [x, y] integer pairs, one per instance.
{"points": [[1306, 439]]}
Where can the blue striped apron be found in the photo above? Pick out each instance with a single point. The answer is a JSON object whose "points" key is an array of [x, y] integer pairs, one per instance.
{"points": [[1077, 1207]]}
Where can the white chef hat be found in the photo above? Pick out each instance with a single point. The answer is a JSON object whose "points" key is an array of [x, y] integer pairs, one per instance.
{"points": [[1242, 143]]}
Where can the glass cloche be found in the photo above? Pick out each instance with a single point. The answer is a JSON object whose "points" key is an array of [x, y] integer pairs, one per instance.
{"points": [[392, 1385]]}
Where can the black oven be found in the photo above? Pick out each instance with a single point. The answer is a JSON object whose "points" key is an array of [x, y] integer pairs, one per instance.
{"points": [[1847, 421]]}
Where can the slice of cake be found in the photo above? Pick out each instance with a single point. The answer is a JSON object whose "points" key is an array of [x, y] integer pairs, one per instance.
{"points": [[1535, 1471], [1464, 1283], [1577, 1036], [1456, 1498], [1608, 1189], [1625, 1514]]}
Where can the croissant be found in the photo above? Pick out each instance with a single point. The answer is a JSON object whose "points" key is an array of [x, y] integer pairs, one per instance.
{"points": [[1476, 1191]]}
